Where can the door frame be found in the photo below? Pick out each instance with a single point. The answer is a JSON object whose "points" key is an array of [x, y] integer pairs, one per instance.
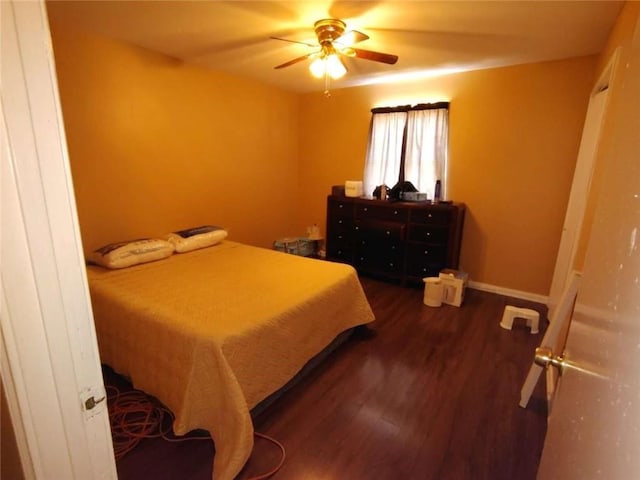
{"points": [[581, 184], [50, 359]]}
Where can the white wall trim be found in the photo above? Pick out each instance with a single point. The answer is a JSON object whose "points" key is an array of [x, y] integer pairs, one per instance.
{"points": [[509, 292]]}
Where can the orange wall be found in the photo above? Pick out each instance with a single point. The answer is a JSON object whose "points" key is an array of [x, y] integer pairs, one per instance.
{"points": [[514, 137], [156, 145]]}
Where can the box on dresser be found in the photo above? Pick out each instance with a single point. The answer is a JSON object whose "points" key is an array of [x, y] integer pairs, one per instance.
{"points": [[406, 241]]}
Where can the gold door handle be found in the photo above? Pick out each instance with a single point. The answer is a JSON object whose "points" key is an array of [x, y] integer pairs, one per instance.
{"points": [[544, 357]]}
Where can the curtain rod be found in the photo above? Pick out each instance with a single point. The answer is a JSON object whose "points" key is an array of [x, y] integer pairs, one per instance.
{"points": [[407, 108]]}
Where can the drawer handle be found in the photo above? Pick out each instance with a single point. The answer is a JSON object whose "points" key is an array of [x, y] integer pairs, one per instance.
{"points": [[340, 238], [393, 247], [339, 221], [340, 206], [357, 228], [365, 209], [339, 252], [361, 258], [388, 232], [429, 215], [424, 269], [428, 234], [395, 212], [426, 252], [363, 242], [391, 264]]}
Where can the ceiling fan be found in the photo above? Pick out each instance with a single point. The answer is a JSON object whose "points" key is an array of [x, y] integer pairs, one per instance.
{"points": [[334, 42]]}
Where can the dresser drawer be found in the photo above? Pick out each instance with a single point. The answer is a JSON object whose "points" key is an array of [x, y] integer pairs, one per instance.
{"points": [[340, 208], [424, 270], [340, 224], [376, 230], [340, 253], [388, 249], [340, 234], [382, 212], [374, 261], [340, 238], [431, 216], [422, 253], [428, 233]]}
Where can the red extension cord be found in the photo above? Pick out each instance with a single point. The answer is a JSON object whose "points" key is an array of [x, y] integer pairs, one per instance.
{"points": [[134, 416]]}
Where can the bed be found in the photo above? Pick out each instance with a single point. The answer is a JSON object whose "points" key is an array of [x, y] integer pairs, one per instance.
{"points": [[213, 332]]}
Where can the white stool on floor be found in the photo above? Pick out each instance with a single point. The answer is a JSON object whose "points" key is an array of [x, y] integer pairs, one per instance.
{"points": [[531, 316]]}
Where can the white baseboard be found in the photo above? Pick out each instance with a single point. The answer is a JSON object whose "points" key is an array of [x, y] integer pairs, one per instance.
{"points": [[485, 287]]}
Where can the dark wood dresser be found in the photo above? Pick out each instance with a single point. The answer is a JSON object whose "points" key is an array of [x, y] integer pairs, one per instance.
{"points": [[406, 241]]}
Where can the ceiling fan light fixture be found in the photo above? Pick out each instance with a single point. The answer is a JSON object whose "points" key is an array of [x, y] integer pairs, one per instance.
{"points": [[335, 43], [335, 67], [318, 67], [331, 65]]}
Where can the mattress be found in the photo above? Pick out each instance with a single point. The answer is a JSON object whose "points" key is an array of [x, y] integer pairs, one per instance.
{"points": [[212, 332]]}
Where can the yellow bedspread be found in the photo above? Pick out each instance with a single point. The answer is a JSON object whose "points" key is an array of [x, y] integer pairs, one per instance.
{"points": [[213, 332]]}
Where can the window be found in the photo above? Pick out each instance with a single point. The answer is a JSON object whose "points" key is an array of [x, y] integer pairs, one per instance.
{"points": [[408, 143]]}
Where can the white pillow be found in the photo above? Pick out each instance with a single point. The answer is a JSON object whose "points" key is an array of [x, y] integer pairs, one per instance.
{"points": [[126, 254], [197, 237]]}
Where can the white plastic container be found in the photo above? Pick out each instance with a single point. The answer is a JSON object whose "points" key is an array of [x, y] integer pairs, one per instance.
{"points": [[353, 188], [454, 283], [433, 290]]}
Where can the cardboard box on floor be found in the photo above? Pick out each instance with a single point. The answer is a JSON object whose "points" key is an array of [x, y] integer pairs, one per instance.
{"points": [[454, 283]]}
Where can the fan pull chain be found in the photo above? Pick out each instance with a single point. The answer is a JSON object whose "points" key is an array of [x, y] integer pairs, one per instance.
{"points": [[327, 84]]}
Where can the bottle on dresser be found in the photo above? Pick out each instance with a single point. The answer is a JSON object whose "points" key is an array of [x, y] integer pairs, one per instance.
{"points": [[436, 192]]}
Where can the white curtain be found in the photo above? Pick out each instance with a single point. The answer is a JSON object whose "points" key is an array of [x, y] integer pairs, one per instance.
{"points": [[384, 154], [426, 151]]}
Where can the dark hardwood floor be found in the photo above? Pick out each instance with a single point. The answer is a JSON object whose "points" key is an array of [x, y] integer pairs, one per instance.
{"points": [[432, 394]]}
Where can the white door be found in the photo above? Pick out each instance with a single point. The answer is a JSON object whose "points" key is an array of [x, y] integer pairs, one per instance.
{"points": [[50, 364], [594, 428], [581, 185]]}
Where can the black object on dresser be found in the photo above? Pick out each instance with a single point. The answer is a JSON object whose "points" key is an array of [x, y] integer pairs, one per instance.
{"points": [[406, 241]]}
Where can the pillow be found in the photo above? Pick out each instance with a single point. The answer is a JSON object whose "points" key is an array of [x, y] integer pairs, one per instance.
{"points": [[133, 252], [197, 237]]}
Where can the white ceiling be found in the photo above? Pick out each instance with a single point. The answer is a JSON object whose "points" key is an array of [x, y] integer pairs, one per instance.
{"points": [[430, 37]]}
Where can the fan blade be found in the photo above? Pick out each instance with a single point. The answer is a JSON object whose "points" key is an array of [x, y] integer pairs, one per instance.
{"points": [[375, 56], [351, 37], [295, 60], [314, 45]]}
